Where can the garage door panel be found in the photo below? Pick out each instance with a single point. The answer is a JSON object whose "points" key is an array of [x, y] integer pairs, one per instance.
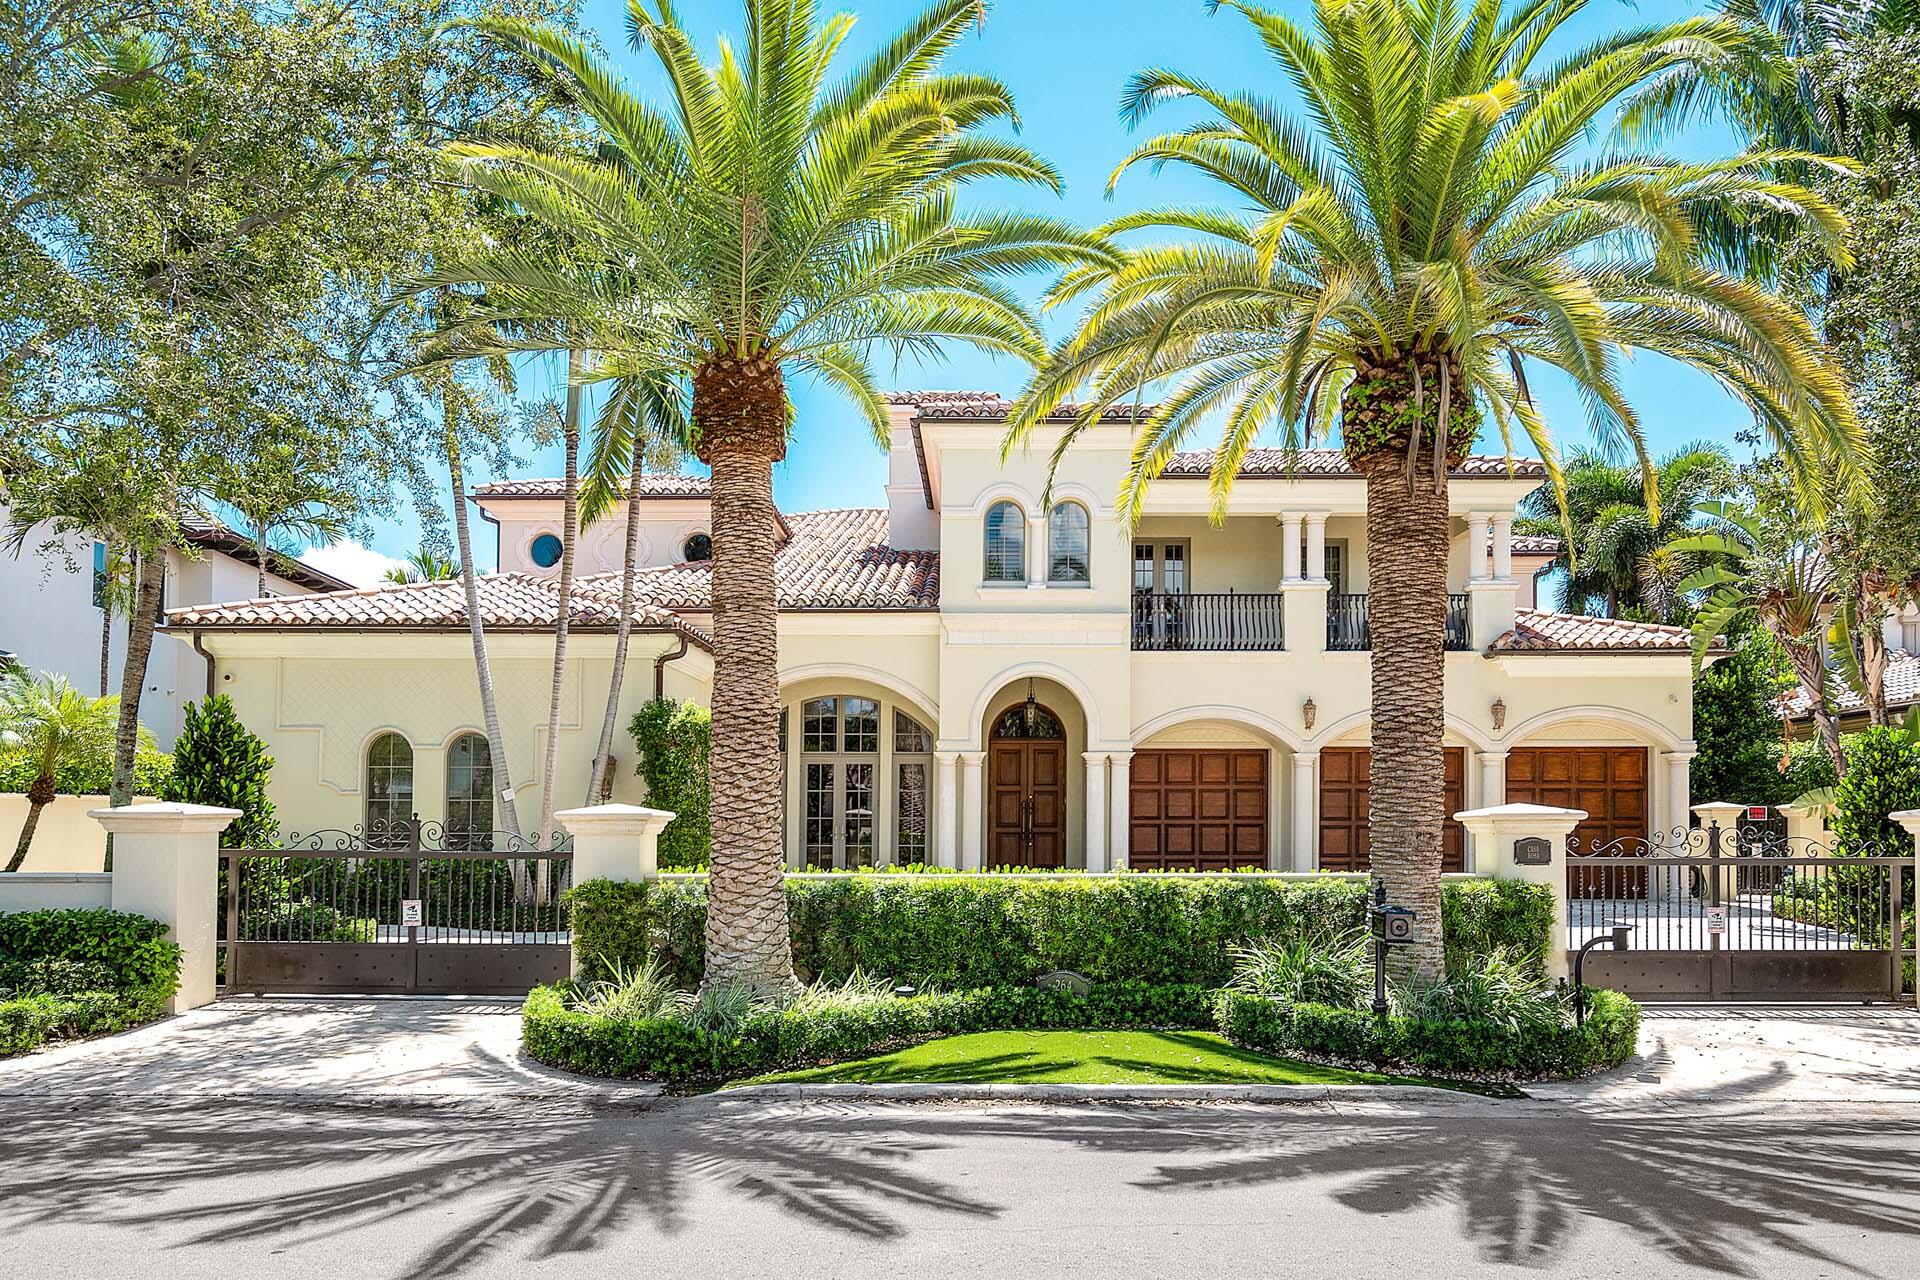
{"points": [[1346, 809], [1612, 788], [1200, 808]]}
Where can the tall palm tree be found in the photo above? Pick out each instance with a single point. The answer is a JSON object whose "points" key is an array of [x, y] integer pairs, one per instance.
{"points": [[423, 564], [789, 219], [1394, 258], [1616, 554], [51, 721], [1778, 576]]}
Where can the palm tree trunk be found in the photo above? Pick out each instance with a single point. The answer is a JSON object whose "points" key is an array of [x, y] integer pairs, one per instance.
{"points": [[1873, 671], [630, 564], [39, 796], [569, 545], [106, 631], [476, 628], [740, 409], [1812, 673], [1406, 607], [133, 675]]}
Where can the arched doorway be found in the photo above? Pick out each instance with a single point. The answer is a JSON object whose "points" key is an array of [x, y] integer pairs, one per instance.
{"points": [[1027, 788]]}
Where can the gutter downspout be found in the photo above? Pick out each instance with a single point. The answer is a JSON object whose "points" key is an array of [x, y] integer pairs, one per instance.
{"points": [[201, 650], [660, 669]]}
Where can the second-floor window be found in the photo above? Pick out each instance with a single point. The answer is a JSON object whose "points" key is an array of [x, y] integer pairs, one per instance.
{"points": [[1067, 543], [1006, 543]]}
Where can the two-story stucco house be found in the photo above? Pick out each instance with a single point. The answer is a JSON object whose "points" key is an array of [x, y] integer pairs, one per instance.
{"points": [[972, 680]]}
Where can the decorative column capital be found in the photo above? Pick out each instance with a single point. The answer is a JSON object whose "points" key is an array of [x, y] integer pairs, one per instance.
{"points": [[1095, 757], [972, 759]]}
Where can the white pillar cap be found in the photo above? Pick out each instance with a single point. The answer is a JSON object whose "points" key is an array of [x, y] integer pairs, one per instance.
{"points": [[614, 820], [164, 819]]}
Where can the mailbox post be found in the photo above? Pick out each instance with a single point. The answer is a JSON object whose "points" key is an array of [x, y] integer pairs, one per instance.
{"points": [[1391, 927]]}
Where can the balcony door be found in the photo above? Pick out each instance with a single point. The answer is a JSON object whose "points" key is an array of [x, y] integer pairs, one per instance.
{"points": [[1160, 584], [1027, 789]]}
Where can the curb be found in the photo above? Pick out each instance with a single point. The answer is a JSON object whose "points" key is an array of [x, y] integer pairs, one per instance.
{"points": [[1280, 1094]]}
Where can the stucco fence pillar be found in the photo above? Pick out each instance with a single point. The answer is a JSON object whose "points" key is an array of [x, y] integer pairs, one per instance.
{"points": [[1807, 827], [1725, 815], [619, 842], [166, 866], [1495, 832]]}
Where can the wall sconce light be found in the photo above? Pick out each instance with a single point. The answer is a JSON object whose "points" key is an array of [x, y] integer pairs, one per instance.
{"points": [[1499, 709], [1308, 711]]}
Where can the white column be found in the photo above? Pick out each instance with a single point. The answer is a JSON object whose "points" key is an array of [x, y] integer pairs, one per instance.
{"points": [[1305, 853], [615, 841], [1119, 830], [1493, 779], [1477, 524], [166, 866], [1494, 829], [971, 810], [1316, 568], [946, 833], [1679, 795], [1096, 816], [1503, 545], [1037, 551], [1290, 546]]}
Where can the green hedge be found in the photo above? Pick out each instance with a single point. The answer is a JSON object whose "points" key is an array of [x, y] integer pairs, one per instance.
{"points": [[1440, 1048], [671, 1050], [129, 953], [87, 775], [967, 932]]}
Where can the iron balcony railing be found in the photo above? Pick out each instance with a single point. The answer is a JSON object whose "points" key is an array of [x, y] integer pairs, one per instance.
{"points": [[1228, 621], [1347, 623]]}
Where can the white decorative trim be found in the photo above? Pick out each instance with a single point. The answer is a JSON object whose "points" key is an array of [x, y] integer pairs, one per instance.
{"points": [[1618, 716], [1242, 716], [990, 689], [921, 702], [1346, 724]]}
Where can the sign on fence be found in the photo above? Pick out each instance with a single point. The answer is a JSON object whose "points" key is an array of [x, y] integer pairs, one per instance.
{"points": [[1716, 920], [411, 915]]}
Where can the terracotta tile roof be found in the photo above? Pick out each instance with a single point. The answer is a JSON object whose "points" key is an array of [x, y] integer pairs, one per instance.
{"points": [[833, 560], [991, 406], [1538, 632], [1902, 684], [1316, 464], [1533, 544], [211, 535], [508, 602], [653, 484]]}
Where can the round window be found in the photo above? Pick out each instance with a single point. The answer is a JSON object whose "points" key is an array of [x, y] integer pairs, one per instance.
{"points": [[698, 547], [545, 550]]}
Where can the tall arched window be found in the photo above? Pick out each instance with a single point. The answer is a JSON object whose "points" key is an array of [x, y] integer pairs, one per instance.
{"points": [[469, 793], [1067, 543], [1006, 545], [912, 772], [389, 789]]}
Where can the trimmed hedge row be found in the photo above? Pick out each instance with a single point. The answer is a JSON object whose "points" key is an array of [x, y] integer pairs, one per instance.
{"points": [[671, 1050], [1440, 1048], [975, 931], [129, 954]]}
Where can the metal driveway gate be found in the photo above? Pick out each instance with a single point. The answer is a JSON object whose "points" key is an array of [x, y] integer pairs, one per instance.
{"points": [[407, 908], [1743, 916]]}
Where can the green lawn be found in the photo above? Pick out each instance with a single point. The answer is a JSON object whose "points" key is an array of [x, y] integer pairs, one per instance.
{"points": [[1075, 1057]]}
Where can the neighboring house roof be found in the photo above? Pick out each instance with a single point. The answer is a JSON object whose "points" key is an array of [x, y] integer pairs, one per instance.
{"points": [[833, 560], [991, 406], [1531, 544], [1535, 631], [508, 602], [211, 535], [1902, 685], [1319, 464], [653, 484]]}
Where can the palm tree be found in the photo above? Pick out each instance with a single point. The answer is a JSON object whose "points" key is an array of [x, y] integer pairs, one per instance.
{"points": [[1395, 259], [784, 222], [1616, 554], [1779, 577], [48, 719], [423, 564]]}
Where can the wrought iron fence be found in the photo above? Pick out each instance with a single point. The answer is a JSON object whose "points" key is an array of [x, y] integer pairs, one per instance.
{"points": [[1217, 621]]}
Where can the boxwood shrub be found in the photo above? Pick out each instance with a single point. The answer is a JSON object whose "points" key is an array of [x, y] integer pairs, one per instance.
{"points": [[44, 955], [975, 931], [1433, 1047], [671, 1050]]}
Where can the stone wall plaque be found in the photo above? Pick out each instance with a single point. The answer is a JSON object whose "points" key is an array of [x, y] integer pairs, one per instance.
{"points": [[1532, 851], [1064, 980]]}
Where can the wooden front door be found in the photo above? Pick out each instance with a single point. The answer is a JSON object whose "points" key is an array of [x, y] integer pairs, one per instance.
{"points": [[1346, 786], [1610, 783], [1200, 810], [1027, 800]]}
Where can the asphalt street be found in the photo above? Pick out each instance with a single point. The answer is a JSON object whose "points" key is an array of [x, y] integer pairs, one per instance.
{"points": [[106, 1186]]}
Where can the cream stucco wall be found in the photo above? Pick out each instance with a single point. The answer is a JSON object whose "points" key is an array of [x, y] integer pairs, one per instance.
{"points": [[65, 839]]}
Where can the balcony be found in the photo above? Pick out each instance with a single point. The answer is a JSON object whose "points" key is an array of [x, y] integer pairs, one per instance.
{"points": [[1347, 623], [1229, 622]]}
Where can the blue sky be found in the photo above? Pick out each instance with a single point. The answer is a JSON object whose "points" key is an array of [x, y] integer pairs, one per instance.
{"points": [[1066, 61]]}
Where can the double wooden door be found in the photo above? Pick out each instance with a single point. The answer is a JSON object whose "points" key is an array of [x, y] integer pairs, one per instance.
{"points": [[1027, 802]]}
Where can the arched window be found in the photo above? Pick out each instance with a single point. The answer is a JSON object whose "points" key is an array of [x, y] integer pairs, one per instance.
{"points": [[912, 772], [1006, 543], [1067, 543], [389, 789], [698, 547], [546, 550], [469, 793]]}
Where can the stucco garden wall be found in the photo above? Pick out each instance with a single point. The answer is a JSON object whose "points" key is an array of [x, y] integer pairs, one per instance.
{"points": [[66, 839]]}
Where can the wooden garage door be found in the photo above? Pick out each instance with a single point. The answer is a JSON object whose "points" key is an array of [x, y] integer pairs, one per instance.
{"points": [[1198, 810], [1346, 777], [1610, 783]]}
